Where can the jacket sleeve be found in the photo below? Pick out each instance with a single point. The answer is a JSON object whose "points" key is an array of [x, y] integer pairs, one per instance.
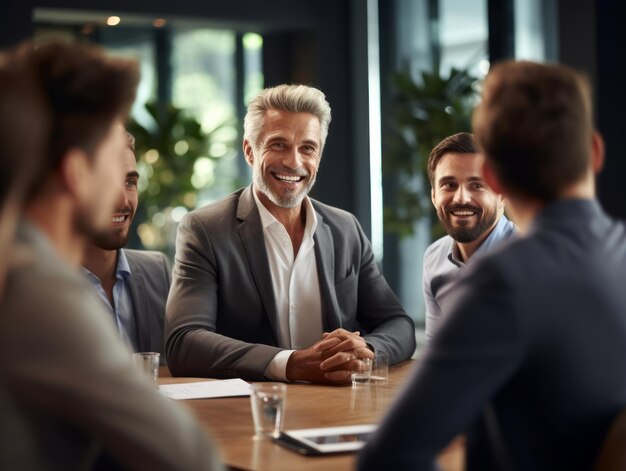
{"points": [[388, 326], [193, 346]]}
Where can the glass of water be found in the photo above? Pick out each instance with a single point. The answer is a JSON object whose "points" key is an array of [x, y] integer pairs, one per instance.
{"points": [[268, 408], [361, 376], [148, 363], [380, 368]]}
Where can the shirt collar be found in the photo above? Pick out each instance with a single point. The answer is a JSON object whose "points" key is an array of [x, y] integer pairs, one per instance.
{"points": [[123, 268], [502, 229], [268, 219], [568, 208], [121, 271]]}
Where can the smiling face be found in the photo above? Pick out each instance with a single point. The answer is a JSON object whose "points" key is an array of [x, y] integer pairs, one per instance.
{"points": [[285, 161], [467, 208], [117, 235]]}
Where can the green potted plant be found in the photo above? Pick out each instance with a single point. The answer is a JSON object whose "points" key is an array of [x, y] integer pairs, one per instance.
{"points": [[175, 162], [424, 113]]}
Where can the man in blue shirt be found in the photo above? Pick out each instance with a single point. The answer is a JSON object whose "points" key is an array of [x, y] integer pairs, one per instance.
{"points": [[133, 284], [469, 210]]}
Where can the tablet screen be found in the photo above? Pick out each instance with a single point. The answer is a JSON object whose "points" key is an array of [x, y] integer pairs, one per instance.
{"points": [[333, 439]]}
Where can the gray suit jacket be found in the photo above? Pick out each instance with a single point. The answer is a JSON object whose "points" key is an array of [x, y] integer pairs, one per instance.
{"points": [[149, 285], [221, 315], [73, 380]]}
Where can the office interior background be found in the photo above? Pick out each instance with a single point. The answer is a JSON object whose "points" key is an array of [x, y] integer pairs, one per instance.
{"points": [[397, 74]]}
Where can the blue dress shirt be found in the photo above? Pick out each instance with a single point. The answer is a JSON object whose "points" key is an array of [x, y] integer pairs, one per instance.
{"points": [[442, 262], [122, 309]]}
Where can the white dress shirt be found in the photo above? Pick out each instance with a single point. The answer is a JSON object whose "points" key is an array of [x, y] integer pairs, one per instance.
{"points": [[296, 286]]}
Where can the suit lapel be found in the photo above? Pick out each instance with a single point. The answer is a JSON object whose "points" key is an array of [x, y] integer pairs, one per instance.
{"points": [[251, 233], [325, 257], [139, 300]]}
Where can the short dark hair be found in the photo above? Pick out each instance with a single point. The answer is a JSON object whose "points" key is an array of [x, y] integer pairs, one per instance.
{"points": [[460, 143], [535, 126], [84, 90]]}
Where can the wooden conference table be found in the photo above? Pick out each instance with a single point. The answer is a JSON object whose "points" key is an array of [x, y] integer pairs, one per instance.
{"points": [[230, 422]]}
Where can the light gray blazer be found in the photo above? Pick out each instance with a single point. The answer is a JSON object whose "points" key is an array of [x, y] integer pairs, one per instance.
{"points": [[221, 316], [149, 284], [72, 379]]}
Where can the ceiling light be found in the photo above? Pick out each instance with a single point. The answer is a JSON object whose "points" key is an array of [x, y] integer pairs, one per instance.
{"points": [[113, 20]]}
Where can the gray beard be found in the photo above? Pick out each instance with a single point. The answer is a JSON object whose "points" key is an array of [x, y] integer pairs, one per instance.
{"points": [[290, 199]]}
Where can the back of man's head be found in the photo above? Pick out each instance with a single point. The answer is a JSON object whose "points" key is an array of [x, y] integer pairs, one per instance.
{"points": [[23, 136], [23, 128], [292, 98], [535, 127], [84, 90]]}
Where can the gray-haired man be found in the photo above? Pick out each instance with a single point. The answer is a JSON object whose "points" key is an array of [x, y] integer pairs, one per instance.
{"points": [[270, 284]]}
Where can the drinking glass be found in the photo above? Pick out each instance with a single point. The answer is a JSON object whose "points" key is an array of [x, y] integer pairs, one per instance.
{"points": [[361, 376], [268, 408], [148, 362]]}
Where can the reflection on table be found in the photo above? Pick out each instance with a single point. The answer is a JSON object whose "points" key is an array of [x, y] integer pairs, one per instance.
{"points": [[230, 422]]}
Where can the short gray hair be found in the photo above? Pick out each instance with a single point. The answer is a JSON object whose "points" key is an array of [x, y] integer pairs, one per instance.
{"points": [[292, 98]]}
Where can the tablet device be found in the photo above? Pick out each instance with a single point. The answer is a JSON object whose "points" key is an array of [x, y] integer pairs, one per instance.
{"points": [[319, 441]]}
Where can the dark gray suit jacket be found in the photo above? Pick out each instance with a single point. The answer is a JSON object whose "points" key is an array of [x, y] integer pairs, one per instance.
{"points": [[149, 285], [72, 379], [221, 315], [536, 329]]}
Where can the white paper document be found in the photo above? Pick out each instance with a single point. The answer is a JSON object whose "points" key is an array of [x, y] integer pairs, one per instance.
{"points": [[206, 389]]}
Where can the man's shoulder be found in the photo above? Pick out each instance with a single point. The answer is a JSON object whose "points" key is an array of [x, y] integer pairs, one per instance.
{"points": [[153, 267], [438, 249], [42, 286], [333, 214], [34, 264], [146, 257], [510, 230], [226, 206]]}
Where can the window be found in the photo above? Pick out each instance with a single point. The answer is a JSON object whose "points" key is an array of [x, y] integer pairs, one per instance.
{"points": [[196, 69]]}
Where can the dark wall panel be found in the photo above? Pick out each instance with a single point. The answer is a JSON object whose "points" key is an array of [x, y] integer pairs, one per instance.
{"points": [[611, 104]]}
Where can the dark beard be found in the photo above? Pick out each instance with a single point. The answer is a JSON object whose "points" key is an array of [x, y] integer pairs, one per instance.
{"points": [[107, 239], [111, 239], [470, 233]]}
